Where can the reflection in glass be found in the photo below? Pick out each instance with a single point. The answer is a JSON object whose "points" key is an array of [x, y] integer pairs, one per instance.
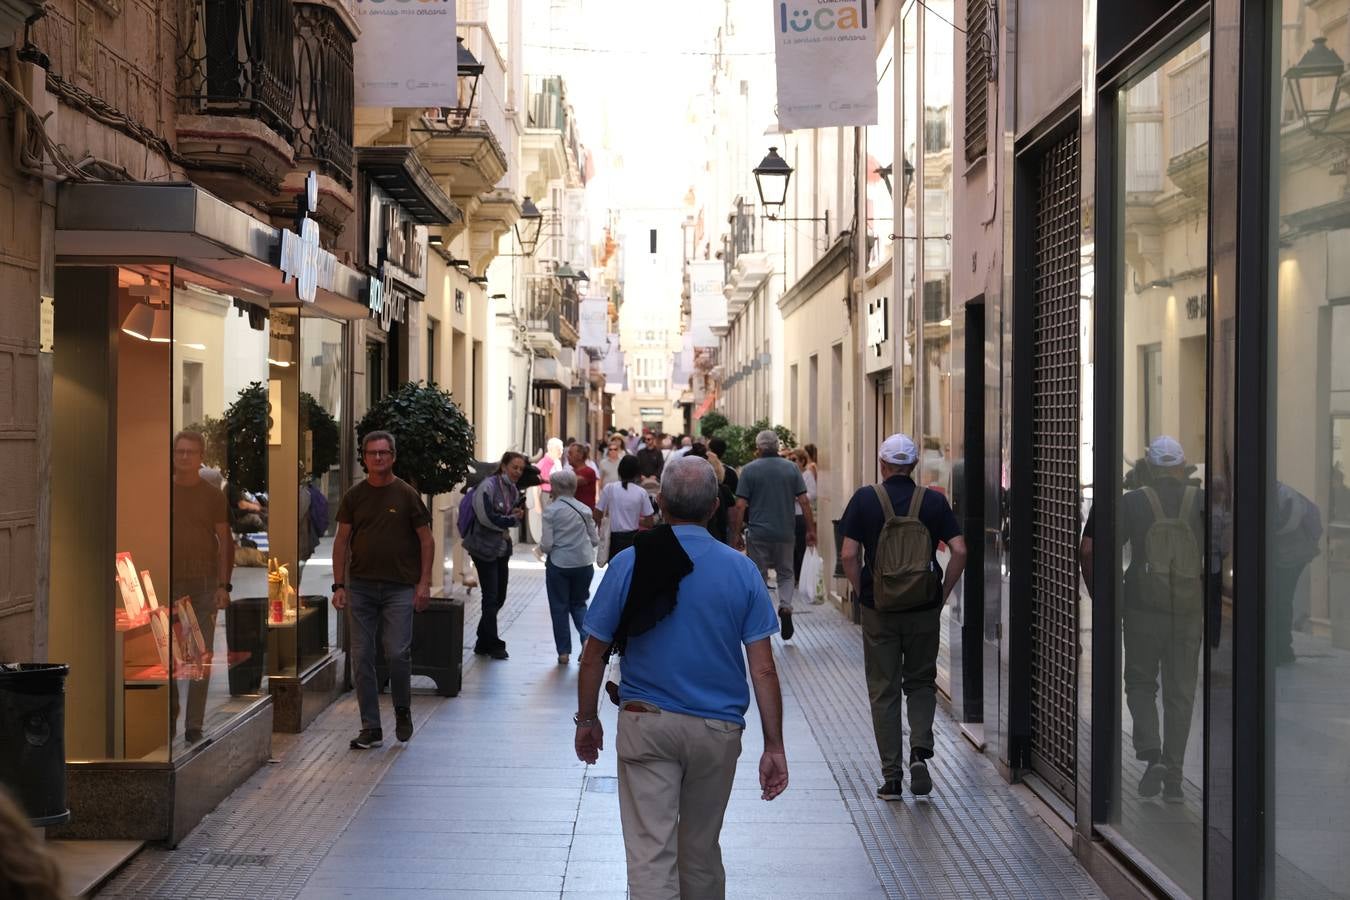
{"points": [[909, 217], [1307, 591], [882, 179], [1163, 555], [220, 500]]}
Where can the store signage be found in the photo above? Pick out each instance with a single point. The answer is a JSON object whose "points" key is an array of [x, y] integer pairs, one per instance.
{"points": [[652, 412], [301, 257], [395, 240], [878, 324], [1197, 306], [387, 300], [826, 58], [593, 323], [406, 53], [707, 303]]}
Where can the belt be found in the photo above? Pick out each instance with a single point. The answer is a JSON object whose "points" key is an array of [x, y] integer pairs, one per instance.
{"points": [[639, 706]]}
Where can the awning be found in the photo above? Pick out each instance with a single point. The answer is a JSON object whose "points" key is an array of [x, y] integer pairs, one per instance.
{"points": [[191, 227]]}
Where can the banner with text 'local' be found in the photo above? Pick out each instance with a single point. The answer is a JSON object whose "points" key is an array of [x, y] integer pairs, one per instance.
{"points": [[406, 54], [707, 303], [826, 56]]}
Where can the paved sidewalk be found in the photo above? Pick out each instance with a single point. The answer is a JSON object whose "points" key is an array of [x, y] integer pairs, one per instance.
{"points": [[488, 800]]}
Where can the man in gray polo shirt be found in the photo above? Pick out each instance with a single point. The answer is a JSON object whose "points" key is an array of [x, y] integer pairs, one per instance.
{"points": [[768, 492]]}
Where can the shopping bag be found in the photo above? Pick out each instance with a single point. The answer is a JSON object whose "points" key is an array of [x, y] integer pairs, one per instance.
{"points": [[808, 583]]}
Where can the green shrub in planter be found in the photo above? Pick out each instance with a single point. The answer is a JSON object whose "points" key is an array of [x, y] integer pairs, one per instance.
{"points": [[435, 439], [712, 423]]}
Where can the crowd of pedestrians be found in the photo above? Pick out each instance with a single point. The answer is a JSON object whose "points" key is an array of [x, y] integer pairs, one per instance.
{"points": [[687, 604]]}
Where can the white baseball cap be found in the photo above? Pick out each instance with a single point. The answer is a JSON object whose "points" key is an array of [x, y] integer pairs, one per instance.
{"points": [[1164, 451], [898, 450]]}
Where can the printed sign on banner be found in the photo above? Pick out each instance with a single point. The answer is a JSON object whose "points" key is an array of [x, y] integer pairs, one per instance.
{"points": [[826, 57], [707, 303], [593, 322], [406, 53]]}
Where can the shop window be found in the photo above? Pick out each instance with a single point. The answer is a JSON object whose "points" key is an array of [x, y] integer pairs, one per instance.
{"points": [[1306, 599], [1163, 559]]}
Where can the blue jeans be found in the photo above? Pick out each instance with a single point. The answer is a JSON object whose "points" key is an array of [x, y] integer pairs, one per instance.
{"points": [[568, 591], [369, 602]]}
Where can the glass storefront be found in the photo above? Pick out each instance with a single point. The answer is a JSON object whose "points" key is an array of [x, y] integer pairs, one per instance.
{"points": [[206, 432], [906, 416], [1163, 554], [1307, 433]]}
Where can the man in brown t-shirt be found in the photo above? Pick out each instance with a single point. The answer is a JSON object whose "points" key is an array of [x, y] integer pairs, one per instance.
{"points": [[384, 530], [202, 560]]}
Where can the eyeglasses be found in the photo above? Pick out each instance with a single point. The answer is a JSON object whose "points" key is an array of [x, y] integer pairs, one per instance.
{"points": [[379, 453]]}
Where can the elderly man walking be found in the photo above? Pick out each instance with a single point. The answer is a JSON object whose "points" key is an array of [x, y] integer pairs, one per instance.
{"points": [[679, 606], [770, 491]]}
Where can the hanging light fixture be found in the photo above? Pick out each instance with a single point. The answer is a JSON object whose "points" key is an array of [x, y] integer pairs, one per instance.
{"points": [[534, 223], [771, 177], [469, 71], [161, 332], [140, 322], [1317, 75]]}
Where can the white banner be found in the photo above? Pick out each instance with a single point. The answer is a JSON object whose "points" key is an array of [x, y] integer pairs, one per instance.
{"points": [[826, 56], [613, 360], [682, 365], [593, 323], [707, 303], [406, 55]]}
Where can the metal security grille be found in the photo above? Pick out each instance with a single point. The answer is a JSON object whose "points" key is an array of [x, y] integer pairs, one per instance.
{"points": [[1054, 485], [977, 78]]}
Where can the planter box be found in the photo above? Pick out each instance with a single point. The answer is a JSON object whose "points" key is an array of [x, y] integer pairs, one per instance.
{"points": [[437, 646]]}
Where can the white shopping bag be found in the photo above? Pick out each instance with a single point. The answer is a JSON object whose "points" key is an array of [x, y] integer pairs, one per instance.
{"points": [[810, 580]]}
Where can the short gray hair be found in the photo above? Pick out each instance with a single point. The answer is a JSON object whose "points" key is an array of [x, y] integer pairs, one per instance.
{"points": [[378, 436], [767, 440], [563, 482], [689, 488]]}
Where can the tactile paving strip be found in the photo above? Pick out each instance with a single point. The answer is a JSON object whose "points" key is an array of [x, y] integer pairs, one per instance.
{"points": [[969, 838], [268, 837]]}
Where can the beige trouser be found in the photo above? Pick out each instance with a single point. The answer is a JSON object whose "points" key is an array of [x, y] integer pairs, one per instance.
{"points": [[675, 774]]}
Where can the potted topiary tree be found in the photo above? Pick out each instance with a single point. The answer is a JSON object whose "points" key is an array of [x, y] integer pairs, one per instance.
{"points": [[435, 450]]}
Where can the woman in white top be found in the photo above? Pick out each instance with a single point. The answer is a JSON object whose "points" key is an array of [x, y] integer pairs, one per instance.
{"points": [[803, 461], [609, 462], [569, 538], [628, 506]]}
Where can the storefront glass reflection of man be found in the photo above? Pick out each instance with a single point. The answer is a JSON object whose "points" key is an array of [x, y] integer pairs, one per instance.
{"points": [[1161, 522], [203, 557]]}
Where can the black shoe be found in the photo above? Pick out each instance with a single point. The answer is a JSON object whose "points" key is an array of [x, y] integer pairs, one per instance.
{"points": [[499, 652], [192, 735], [1171, 792], [402, 723], [893, 789], [785, 617], [920, 782], [369, 737], [1151, 781]]}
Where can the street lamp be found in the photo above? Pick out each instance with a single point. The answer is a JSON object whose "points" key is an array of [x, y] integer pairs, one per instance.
{"points": [[1317, 74], [528, 237], [469, 69], [771, 178], [565, 272]]}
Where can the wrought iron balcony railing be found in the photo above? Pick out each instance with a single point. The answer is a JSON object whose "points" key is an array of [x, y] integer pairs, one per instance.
{"points": [[324, 115], [239, 60], [549, 308]]}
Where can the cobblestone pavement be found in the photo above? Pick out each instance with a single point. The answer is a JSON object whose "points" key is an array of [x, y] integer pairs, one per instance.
{"points": [[487, 800]]}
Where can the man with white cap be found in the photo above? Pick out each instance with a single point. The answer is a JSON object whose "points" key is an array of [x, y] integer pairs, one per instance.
{"points": [[769, 491], [900, 639], [1162, 609]]}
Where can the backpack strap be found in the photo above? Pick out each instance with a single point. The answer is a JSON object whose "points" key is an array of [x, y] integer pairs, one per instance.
{"points": [[916, 502], [1154, 502], [1188, 503], [886, 509]]}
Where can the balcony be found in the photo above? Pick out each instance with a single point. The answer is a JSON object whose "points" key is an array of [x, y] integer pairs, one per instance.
{"points": [[550, 316], [551, 143], [471, 157], [237, 84]]}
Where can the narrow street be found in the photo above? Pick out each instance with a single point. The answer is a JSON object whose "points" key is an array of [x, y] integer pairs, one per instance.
{"points": [[488, 799]]}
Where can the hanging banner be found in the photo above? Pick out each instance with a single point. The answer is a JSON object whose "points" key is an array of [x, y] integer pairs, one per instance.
{"points": [[707, 303], [682, 364], [593, 323], [826, 56], [613, 364], [406, 53]]}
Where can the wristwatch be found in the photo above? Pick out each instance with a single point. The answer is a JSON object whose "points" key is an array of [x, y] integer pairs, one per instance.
{"points": [[226, 585], [584, 723], [338, 586]]}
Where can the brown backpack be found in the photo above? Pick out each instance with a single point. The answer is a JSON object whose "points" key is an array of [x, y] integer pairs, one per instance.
{"points": [[902, 574]]}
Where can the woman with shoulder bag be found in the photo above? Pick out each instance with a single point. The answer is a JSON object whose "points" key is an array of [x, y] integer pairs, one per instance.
{"points": [[569, 539], [498, 506]]}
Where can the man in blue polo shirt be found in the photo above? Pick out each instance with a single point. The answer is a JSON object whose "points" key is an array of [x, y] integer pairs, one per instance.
{"points": [[900, 648], [683, 694]]}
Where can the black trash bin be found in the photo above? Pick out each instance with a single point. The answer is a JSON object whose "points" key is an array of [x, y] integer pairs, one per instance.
{"points": [[33, 738]]}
